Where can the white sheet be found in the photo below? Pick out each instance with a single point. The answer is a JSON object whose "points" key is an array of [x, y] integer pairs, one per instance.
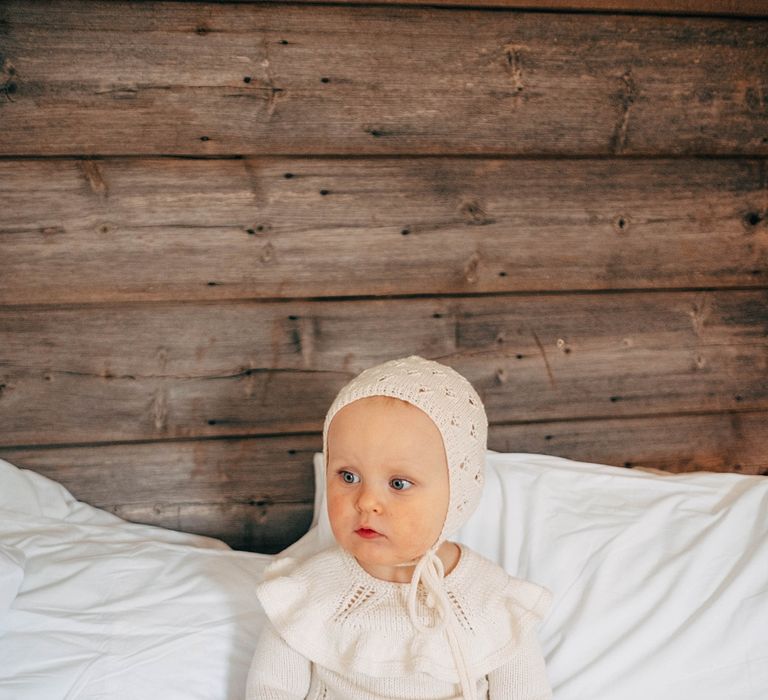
{"points": [[110, 609], [660, 586], [12, 562], [660, 581]]}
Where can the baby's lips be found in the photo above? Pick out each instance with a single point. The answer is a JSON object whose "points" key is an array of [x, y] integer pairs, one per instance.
{"points": [[368, 531]]}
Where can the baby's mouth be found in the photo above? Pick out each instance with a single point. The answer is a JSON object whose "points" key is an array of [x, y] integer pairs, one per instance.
{"points": [[367, 534]]}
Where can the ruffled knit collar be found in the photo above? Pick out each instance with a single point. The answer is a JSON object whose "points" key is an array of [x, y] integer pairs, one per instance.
{"points": [[341, 617]]}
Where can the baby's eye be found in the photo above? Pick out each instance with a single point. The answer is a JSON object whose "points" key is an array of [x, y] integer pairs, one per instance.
{"points": [[349, 477], [400, 484]]}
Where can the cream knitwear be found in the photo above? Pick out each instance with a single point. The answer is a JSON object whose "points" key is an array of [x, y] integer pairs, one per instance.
{"points": [[446, 642], [455, 408], [458, 412], [337, 633]]}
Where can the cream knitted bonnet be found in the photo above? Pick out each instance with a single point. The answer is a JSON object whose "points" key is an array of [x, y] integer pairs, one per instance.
{"points": [[457, 410]]}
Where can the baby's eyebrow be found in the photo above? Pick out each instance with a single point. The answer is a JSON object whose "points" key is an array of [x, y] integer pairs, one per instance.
{"points": [[403, 463], [340, 458]]}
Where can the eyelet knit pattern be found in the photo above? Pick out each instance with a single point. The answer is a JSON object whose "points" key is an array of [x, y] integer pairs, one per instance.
{"points": [[453, 405], [458, 412], [337, 615], [337, 633]]}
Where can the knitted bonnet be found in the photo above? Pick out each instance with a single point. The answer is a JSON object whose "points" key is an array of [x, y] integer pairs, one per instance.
{"points": [[457, 410], [453, 405]]}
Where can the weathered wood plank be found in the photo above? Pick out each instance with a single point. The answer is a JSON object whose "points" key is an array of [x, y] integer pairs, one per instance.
{"points": [[81, 78], [257, 493], [266, 529], [133, 372], [739, 8], [232, 471], [724, 442], [154, 229], [253, 494]]}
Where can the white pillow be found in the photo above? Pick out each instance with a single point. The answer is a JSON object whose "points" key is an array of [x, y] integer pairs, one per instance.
{"points": [[111, 609], [660, 580], [11, 574]]}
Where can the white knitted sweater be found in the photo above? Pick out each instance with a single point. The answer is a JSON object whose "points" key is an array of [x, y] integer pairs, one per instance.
{"points": [[337, 633]]}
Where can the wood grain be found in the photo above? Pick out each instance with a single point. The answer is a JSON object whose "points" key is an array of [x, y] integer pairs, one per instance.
{"points": [[736, 8], [731, 442], [101, 373], [114, 78], [159, 229], [257, 493], [216, 214]]}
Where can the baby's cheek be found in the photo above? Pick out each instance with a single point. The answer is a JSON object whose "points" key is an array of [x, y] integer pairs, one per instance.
{"points": [[335, 507], [420, 526]]}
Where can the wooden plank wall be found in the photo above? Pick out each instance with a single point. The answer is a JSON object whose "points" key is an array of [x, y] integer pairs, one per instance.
{"points": [[214, 215]]}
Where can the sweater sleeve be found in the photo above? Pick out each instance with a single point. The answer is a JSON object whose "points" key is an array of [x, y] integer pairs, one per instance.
{"points": [[524, 677], [277, 671]]}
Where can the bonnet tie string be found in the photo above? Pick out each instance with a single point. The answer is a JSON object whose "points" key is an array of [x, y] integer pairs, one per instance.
{"points": [[431, 572]]}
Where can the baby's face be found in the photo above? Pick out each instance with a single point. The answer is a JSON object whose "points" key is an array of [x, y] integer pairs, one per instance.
{"points": [[387, 478]]}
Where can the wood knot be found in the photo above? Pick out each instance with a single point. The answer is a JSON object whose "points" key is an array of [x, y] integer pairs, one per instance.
{"points": [[621, 223], [267, 253], [474, 214], [753, 218], [470, 269]]}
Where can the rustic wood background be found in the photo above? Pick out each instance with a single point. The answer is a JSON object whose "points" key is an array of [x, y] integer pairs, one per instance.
{"points": [[214, 215]]}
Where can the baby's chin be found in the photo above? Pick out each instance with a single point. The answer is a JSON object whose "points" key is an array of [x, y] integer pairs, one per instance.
{"points": [[375, 557], [395, 573]]}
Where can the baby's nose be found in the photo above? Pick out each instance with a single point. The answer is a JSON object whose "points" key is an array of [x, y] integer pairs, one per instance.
{"points": [[368, 500]]}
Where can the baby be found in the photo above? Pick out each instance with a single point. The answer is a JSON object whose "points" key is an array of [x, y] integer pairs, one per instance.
{"points": [[395, 610]]}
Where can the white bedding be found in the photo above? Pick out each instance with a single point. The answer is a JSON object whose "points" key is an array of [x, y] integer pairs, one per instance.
{"points": [[111, 609], [660, 586]]}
